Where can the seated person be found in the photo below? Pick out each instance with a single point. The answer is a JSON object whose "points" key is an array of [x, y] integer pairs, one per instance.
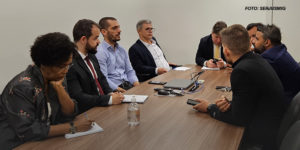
{"points": [[113, 59], [210, 48], [257, 94], [252, 29], [35, 104], [86, 83], [268, 44], [146, 55]]}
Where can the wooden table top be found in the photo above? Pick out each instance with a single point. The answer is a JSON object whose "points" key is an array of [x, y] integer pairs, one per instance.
{"points": [[166, 122]]}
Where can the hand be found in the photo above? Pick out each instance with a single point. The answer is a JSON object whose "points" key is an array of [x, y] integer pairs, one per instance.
{"points": [[121, 90], [136, 83], [117, 98], [220, 63], [223, 104], [82, 124], [57, 84], [210, 63], [161, 71], [202, 106]]}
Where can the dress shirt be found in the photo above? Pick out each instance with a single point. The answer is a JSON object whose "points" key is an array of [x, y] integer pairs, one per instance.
{"points": [[157, 55], [115, 64], [83, 57], [220, 51]]}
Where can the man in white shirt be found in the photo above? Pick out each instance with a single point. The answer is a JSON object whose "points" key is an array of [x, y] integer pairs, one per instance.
{"points": [[145, 55]]}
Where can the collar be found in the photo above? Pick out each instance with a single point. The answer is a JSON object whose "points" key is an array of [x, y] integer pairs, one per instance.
{"points": [[242, 57], [82, 55], [147, 44], [108, 46]]}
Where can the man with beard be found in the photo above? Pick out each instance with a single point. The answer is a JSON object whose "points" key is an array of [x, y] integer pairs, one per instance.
{"points": [[113, 59], [86, 83], [257, 94], [268, 44], [252, 29]]}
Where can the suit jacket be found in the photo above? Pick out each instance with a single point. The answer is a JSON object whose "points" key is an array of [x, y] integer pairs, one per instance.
{"points": [[82, 86], [257, 101], [142, 61], [287, 69], [206, 50]]}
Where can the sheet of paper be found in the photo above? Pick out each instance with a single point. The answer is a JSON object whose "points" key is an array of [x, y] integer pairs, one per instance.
{"points": [[207, 68], [182, 68], [139, 98], [95, 128]]}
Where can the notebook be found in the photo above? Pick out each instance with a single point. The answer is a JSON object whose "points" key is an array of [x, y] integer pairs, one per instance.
{"points": [[139, 98], [95, 128], [179, 84]]}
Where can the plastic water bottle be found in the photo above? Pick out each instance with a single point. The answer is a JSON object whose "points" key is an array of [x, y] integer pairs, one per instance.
{"points": [[133, 113]]}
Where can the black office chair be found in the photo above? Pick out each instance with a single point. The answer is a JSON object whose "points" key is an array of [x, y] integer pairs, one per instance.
{"points": [[292, 138], [290, 117]]}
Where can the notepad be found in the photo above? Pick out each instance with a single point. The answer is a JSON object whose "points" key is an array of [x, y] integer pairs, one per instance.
{"points": [[139, 98], [207, 68], [95, 128], [181, 68]]}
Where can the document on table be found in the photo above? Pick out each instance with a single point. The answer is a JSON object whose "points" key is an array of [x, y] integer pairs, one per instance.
{"points": [[182, 68], [95, 128], [207, 68], [139, 98]]}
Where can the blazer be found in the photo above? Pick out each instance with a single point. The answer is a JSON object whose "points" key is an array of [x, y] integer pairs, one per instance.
{"points": [[142, 61], [206, 50], [257, 101], [82, 86]]}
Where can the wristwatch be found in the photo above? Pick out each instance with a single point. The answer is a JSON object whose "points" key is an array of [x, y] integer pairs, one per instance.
{"points": [[72, 128], [209, 107]]}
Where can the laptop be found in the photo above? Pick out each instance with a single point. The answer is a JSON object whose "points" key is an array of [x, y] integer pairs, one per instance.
{"points": [[179, 84]]}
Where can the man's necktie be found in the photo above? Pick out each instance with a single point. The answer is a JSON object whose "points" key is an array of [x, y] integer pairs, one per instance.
{"points": [[217, 52], [94, 74]]}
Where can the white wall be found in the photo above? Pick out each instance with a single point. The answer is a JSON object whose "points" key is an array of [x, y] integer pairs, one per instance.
{"points": [[179, 24]]}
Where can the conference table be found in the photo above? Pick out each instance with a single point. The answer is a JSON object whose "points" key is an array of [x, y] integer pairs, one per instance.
{"points": [[166, 122]]}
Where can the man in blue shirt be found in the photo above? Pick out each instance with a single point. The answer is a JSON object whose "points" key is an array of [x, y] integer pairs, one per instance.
{"points": [[268, 43], [113, 59]]}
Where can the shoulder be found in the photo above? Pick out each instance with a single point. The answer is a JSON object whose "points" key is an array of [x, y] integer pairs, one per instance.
{"points": [[206, 38]]}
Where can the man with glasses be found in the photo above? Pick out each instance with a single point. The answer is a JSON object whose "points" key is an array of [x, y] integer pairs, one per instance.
{"points": [[146, 55]]}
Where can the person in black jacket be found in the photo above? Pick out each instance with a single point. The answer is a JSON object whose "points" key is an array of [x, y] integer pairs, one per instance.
{"points": [[257, 93], [146, 56], [86, 83], [210, 47]]}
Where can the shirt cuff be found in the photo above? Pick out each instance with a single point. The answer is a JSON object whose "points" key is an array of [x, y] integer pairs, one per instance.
{"points": [[156, 70], [110, 100], [204, 64]]}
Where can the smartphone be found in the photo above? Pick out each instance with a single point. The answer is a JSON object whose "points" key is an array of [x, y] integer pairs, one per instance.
{"points": [[157, 82], [192, 102]]}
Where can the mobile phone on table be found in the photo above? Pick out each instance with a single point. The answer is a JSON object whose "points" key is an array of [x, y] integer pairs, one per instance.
{"points": [[192, 102]]}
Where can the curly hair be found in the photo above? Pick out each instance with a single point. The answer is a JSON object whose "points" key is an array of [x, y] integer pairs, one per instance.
{"points": [[52, 49]]}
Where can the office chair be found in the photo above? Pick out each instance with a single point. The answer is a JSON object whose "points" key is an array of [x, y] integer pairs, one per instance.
{"points": [[292, 138], [290, 117]]}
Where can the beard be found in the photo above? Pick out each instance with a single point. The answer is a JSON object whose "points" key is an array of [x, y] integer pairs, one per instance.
{"points": [[259, 50], [114, 39], [90, 49]]}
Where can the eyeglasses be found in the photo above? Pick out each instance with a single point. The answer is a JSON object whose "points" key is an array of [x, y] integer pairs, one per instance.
{"points": [[150, 29], [65, 66]]}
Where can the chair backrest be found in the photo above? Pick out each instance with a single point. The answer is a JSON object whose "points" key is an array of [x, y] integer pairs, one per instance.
{"points": [[290, 117], [292, 138]]}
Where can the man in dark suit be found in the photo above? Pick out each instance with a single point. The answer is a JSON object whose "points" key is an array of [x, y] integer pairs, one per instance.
{"points": [[145, 55], [210, 47], [86, 83], [268, 44], [257, 93]]}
